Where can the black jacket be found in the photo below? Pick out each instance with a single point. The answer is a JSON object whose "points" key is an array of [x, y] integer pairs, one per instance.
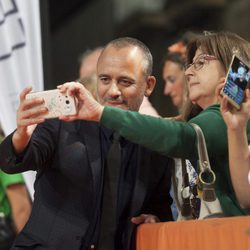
{"points": [[68, 162]]}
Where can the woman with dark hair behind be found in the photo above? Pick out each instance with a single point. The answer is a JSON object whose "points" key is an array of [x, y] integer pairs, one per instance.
{"points": [[173, 72], [174, 78]]}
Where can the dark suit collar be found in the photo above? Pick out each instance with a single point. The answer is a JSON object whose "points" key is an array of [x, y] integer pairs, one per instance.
{"points": [[140, 189], [90, 132], [138, 197]]}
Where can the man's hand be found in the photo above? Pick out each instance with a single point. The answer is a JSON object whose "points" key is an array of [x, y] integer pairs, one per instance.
{"points": [[145, 219], [29, 114], [87, 107]]}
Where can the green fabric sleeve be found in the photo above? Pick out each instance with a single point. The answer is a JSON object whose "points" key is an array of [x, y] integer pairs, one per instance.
{"points": [[172, 138], [158, 134]]}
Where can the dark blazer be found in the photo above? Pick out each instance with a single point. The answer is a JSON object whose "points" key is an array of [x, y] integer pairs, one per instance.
{"points": [[68, 162]]}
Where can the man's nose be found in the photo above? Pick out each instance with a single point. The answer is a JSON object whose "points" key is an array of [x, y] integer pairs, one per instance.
{"points": [[114, 89]]}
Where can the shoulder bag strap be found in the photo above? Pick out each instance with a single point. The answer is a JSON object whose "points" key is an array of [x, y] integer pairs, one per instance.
{"points": [[207, 176], [185, 192]]}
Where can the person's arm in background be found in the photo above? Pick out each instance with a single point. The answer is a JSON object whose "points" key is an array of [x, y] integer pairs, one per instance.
{"points": [[239, 155], [15, 200], [20, 204]]}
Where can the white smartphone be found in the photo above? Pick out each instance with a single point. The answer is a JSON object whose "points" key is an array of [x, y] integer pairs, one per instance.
{"points": [[57, 103], [237, 79]]}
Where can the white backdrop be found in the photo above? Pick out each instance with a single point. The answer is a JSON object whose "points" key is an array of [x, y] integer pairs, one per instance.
{"points": [[20, 59]]}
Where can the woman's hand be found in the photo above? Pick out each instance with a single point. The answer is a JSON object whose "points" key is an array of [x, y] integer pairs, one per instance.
{"points": [[233, 118], [236, 118]]}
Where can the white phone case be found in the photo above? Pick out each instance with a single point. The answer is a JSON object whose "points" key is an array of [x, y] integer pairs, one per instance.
{"points": [[57, 103]]}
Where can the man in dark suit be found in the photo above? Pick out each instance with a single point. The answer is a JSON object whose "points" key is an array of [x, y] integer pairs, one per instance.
{"points": [[71, 208]]}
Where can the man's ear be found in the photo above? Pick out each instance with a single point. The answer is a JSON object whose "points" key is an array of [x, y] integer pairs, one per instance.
{"points": [[151, 81]]}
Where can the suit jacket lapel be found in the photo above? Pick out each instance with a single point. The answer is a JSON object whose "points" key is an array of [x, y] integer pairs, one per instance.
{"points": [[140, 189], [138, 197], [91, 133]]}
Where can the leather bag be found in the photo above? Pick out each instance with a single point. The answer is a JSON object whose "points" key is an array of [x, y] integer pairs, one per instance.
{"points": [[199, 202]]}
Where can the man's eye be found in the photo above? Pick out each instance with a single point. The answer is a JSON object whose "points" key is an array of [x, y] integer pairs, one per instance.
{"points": [[104, 79], [125, 82]]}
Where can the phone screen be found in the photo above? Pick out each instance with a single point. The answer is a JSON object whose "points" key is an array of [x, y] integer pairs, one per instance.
{"points": [[237, 80]]}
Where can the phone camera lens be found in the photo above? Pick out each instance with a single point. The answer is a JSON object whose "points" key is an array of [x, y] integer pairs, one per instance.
{"points": [[67, 101]]}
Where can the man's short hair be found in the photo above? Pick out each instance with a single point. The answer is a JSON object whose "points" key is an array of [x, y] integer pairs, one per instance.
{"points": [[133, 42]]}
